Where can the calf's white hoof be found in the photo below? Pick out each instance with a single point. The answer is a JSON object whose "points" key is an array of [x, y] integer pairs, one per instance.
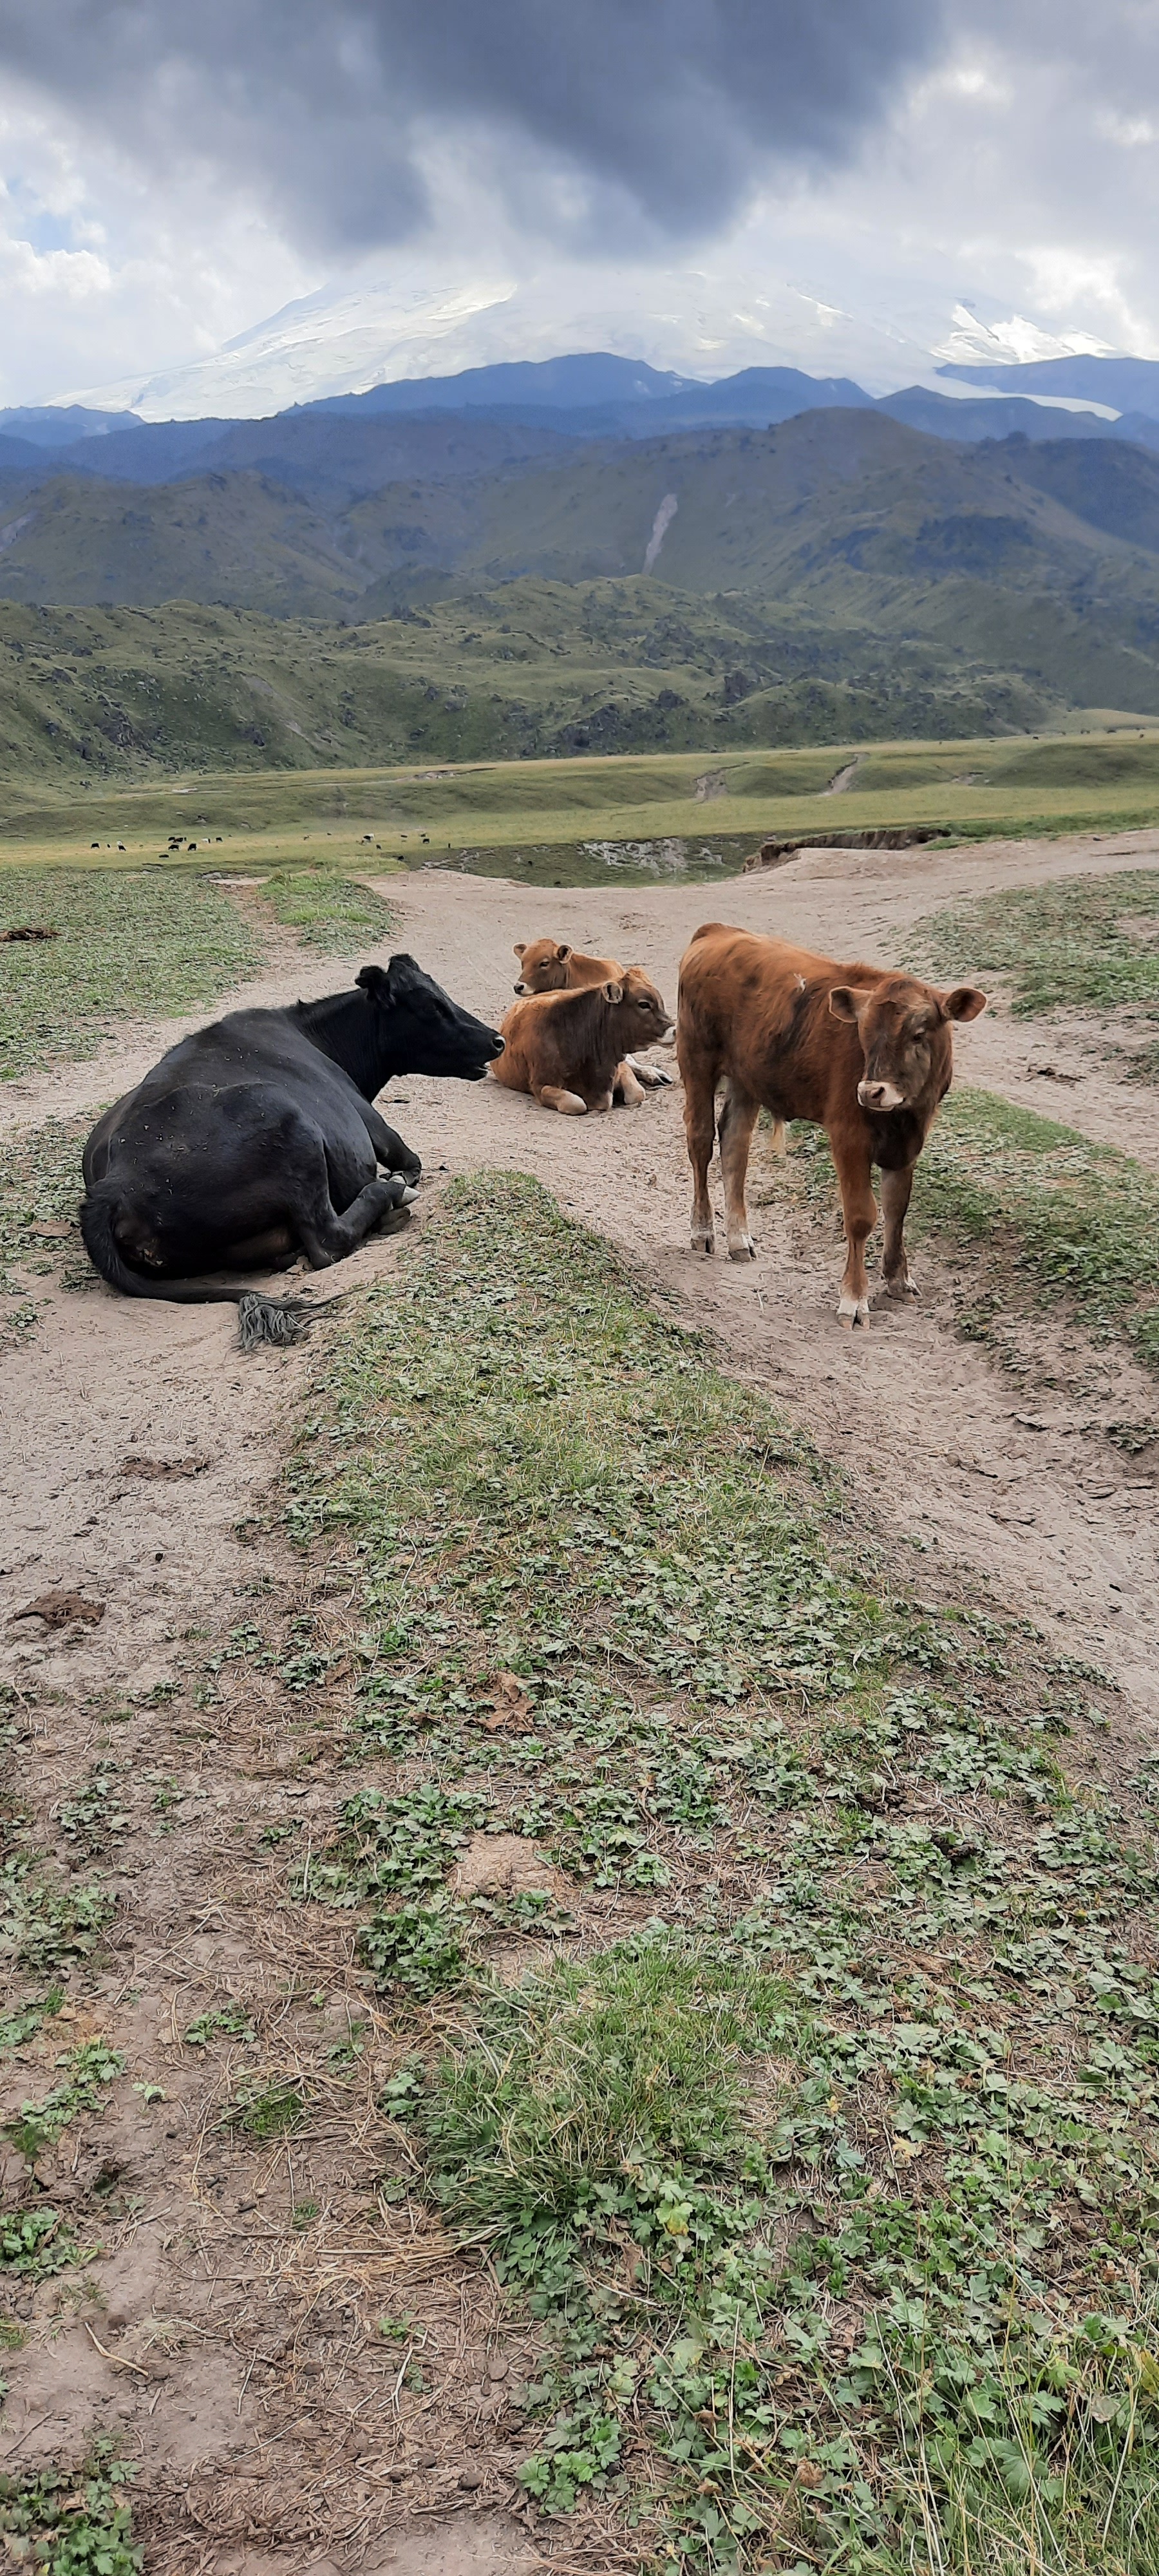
{"points": [[742, 1248], [853, 1310]]}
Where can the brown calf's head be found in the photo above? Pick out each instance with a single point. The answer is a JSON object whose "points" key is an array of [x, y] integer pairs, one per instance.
{"points": [[646, 1015], [542, 965], [904, 1028]]}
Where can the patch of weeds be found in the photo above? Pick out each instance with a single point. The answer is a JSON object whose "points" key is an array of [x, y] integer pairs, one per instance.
{"points": [[266, 2107], [22, 2024], [40, 1191], [331, 913], [73, 2522], [35, 2243], [220, 2021], [92, 1815], [418, 1951], [1086, 943], [840, 2204], [46, 1923], [400, 1845], [127, 947], [87, 2073], [303, 2215]]}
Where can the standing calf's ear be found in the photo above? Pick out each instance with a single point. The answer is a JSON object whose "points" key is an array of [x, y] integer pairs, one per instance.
{"points": [[964, 1003], [846, 1000]]}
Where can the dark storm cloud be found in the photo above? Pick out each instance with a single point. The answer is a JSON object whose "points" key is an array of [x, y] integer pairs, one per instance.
{"points": [[608, 111]]}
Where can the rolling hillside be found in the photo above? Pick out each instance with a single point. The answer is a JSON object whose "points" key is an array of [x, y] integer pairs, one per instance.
{"points": [[839, 576]]}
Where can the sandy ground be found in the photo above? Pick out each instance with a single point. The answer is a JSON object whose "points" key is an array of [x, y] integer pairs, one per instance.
{"points": [[939, 1446]]}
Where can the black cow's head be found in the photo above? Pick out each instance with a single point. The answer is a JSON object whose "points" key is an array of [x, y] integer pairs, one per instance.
{"points": [[904, 1028], [419, 1029]]}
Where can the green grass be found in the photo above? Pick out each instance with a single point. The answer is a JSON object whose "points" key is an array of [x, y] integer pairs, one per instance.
{"points": [[374, 817], [86, 2073], [329, 912], [831, 2176], [127, 947], [40, 1191], [1083, 943]]}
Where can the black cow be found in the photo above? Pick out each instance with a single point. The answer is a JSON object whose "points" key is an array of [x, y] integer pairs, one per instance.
{"points": [[257, 1139]]}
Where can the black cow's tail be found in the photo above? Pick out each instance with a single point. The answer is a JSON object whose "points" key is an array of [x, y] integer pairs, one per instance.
{"points": [[260, 1319]]}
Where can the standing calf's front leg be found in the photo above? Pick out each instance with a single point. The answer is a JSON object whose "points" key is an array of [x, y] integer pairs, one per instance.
{"points": [[895, 1198], [859, 1209]]}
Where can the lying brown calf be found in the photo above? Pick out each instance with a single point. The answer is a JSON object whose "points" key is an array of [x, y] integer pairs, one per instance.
{"points": [[567, 1049], [864, 1053], [550, 966]]}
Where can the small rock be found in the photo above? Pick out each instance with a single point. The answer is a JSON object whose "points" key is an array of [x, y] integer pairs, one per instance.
{"points": [[497, 2365], [469, 2479]]}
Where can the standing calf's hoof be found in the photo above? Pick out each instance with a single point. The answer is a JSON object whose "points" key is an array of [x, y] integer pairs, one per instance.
{"points": [[742, 1249], [853, 1310], [907, 1287], [702, 1240]]}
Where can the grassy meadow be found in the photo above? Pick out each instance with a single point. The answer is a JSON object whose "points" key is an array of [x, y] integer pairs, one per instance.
{"points": [[551, 815]]}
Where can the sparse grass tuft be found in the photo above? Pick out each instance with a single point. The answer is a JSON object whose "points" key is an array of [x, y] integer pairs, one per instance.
{"points": [[1083, 943], [329, 912]]}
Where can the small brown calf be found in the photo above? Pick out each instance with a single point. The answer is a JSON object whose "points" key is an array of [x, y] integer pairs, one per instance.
{"points": [[567, 1049], [550, 966], [863, 1052]]}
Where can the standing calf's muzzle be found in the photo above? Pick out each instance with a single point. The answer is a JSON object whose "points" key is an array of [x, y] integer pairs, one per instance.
{"points": [[880, 1095]]}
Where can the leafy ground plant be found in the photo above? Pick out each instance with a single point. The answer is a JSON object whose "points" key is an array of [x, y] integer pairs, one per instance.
{"points": [[86, 2074], [829, 2169], [329, 912], [126, 947], [72, 2522]]}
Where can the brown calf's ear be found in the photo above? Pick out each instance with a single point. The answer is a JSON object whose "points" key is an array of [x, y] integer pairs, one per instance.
{"points": [[846, 1000], [964, 1003], [563, 952], [520, 949], [613, 992]]}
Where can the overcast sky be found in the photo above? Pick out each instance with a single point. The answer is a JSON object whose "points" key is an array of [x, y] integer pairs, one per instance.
{"points": [[169, 175]]}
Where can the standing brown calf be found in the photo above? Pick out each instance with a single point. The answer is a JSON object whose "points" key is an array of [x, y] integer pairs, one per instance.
{"points": [[864, 1053], [550, 966], [566, 1049]]}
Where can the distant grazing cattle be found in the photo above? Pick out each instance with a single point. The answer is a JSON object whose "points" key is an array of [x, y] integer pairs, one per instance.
{"points": [[550, 966], [567, 1049], [257, 1139], [864, 1053]]}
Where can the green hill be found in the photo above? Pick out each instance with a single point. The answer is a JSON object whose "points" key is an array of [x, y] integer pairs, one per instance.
{"points": [[839, 578]]}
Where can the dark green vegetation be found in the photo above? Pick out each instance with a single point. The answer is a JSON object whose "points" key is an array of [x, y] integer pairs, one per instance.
{"points": [[836, 578], [1067, 1225], [74, 2522], [1084, 943], [831, 2174], [126, 947], [527, 669]]}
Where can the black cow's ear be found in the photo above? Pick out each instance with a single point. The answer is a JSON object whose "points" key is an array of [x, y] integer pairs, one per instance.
{"points": [[964, 1003], [373, 979], [845, 1001]]}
